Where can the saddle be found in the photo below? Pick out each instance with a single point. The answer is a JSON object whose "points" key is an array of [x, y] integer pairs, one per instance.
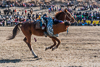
{"points": [[37, 26], [41, 23]]}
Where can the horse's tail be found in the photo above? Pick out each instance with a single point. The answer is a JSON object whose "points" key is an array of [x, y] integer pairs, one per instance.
{"points": [[15, 31]]}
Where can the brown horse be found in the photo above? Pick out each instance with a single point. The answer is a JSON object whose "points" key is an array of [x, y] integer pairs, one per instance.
{"points": [[29, 28]]}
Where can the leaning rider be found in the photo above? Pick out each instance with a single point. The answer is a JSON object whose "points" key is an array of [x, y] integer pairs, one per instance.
{"points": [[51, 22], [43, 21]]}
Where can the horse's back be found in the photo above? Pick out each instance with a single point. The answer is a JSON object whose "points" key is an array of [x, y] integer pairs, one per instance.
{"points": [[29, 27], [26, 28]]}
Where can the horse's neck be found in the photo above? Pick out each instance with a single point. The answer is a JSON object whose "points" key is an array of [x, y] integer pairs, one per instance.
{"points": [[61, 17]]}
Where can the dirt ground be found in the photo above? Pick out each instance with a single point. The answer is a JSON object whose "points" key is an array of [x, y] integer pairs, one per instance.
{"points": [[79, 48]]}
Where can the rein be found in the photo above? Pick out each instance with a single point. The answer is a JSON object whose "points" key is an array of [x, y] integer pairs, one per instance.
{"points": [[68, 16]]}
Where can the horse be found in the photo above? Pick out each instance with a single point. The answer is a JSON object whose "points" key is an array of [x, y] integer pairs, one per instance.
{"points": [[28, 29]]}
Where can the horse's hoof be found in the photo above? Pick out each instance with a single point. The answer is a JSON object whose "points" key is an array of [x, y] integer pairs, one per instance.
{"points": [[36, 57], [54, 48], [47, 48]]}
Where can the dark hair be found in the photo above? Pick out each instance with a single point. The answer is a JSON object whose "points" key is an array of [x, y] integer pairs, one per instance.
{"points": [[67, 23]]}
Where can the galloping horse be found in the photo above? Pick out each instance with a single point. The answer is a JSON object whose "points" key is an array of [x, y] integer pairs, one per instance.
{"points": [[29, 28]]}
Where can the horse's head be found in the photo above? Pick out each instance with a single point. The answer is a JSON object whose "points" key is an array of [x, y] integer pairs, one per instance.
{"points": [[64, 15], [68, 16]]}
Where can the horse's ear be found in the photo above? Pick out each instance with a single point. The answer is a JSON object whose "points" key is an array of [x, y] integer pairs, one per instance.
{"points": [[66, 10]]}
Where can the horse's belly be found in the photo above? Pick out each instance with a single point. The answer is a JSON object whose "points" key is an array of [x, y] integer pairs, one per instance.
{"points": [[37, 32]]}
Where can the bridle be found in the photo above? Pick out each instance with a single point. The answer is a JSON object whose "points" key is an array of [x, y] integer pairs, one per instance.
{"points": [[68, 16]]}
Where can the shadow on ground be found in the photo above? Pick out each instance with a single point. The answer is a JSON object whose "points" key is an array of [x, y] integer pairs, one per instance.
{"points": [[31, 59], [74, 66], [10, 61], [18, 60]]}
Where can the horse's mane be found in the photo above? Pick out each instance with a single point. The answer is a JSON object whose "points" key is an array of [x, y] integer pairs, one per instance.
{"points": [[65, 10]]}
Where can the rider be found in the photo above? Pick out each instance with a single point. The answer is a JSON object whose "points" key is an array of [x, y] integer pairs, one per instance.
{"points": [[44, 18], [55, 29], [50, 30], [39, 16], [41, 19]]}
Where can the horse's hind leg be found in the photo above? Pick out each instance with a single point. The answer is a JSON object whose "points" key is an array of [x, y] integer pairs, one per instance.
{"points": [[28, 41], [25, 40], [54, 41], [29, 45]]}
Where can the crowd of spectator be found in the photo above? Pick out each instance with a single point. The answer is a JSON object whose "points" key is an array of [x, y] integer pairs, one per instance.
{"points": [[17, 4], [83, 16], [13, 17], [86, 15]]}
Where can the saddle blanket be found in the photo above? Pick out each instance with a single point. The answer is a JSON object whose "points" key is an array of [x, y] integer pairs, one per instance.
{"points": [[50, 28]]}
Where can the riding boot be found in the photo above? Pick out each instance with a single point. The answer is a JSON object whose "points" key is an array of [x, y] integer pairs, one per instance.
{"points": [[45, 34]]}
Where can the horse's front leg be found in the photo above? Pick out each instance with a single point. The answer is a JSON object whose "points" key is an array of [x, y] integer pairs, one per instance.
{"points": [[54, 41], [57, 44]]}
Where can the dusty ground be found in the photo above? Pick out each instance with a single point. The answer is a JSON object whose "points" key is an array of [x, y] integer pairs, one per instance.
{"points": [[79, 48]]}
